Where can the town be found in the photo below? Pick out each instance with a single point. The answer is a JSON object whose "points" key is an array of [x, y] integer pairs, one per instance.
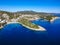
{"points": [[24, 18]]}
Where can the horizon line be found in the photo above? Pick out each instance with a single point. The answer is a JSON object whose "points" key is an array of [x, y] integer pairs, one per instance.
{"points": [[29, 10]]}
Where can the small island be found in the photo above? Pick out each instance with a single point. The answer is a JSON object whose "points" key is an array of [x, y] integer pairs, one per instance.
{"points": [[24, 18]]}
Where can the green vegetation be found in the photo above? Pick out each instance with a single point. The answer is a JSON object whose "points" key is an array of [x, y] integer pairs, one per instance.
{"points": [[28, 23], [48, 18], [11, 15]]}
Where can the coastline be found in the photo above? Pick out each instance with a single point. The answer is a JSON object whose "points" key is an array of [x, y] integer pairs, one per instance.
{"points": [[1, 27], [40, 28], [52, 20]]}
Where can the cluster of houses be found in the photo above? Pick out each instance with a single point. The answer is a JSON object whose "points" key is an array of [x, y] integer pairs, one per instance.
{"points": [[3, 19]]}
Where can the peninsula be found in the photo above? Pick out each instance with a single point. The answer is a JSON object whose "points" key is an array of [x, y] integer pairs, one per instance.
{"points": [[25, 18]]}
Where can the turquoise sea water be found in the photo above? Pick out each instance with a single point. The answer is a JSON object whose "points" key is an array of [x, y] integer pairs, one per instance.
{"points": [[16, 34]]}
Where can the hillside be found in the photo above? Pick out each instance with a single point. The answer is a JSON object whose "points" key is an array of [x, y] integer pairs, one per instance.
{"points": [[26, 12], [27, 16], [32, 13]]}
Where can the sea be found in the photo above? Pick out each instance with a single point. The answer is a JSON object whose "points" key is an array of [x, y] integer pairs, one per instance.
{"points": [[16, 34]]}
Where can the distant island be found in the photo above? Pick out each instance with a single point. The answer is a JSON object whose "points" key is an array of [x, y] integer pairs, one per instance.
{"points": [[25, 18]]}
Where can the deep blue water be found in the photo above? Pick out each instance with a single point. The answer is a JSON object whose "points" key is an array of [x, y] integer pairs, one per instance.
{"points": [[16, 34]]}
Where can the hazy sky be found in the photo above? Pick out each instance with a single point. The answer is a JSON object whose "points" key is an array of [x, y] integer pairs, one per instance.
{"points": [[52, 6]]}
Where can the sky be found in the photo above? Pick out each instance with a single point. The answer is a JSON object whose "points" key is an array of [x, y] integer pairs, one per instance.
{"points": [[49, 6]]}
